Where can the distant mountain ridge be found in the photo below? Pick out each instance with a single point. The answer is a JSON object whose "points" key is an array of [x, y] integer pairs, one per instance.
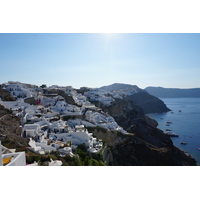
{"points": [[161, 92]]}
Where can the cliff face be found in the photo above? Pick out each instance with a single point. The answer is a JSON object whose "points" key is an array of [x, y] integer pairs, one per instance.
{"points": [[148, 103], [136, 152], [146, 145], [130, 150]]}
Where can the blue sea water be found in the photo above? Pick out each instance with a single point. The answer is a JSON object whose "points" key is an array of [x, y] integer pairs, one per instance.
{"points": [[185, 123]]}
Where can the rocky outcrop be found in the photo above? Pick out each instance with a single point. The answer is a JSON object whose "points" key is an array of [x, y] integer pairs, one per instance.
{"points": [[149, 103], [30, 101]]}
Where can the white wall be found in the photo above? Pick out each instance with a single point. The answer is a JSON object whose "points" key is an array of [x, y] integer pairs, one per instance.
{"points": [[19, 160]]}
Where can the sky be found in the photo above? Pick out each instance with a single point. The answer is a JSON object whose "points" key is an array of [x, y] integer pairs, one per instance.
{"points": [[168, 60]]}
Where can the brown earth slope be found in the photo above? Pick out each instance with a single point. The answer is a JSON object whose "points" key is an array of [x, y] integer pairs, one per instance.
{"points": [[10, 130]]}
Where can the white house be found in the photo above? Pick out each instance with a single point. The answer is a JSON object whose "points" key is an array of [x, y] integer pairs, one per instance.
{"points": [[47, 101], [17, 89], [104, 121], [61, 106], [14, 104], [31, 130], [58, 126], [40, 147], [66, 150]]}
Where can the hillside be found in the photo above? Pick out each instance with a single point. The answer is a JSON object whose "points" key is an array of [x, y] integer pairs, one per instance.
{"points": [[10, 130], [149, 103], [161, 92], [143, 145]]}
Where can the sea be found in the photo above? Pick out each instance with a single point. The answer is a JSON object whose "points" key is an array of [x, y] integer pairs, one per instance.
{"points": [[185, 118]]}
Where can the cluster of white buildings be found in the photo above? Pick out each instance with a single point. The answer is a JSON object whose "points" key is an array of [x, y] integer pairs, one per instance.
{"points": [[18, 89], [43, 123], [105, 121], [99, 95], [107, 97], [119, 94]]}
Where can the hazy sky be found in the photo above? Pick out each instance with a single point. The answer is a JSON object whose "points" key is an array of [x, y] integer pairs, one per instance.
{"points": [[169, 60]]}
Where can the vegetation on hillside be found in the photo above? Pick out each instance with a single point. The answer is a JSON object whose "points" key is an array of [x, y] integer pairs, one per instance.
{"points": [[81, 158]]}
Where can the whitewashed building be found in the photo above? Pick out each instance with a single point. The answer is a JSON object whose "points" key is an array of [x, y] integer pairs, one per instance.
{"points": [[18, 90]]}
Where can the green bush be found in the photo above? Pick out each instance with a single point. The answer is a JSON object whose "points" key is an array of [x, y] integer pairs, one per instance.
{"points": [[68, 158], [97, 157], [55, 153], [64, 163], [76, 161], [93, 162], [82, 147], [101, 163], [53, 157], [81, 153], [45, 158]]}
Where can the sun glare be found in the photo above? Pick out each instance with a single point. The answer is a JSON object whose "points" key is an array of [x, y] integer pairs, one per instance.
{"points": [[110, 35]]}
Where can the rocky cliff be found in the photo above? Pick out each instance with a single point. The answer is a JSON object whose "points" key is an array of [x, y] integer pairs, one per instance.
{"points": [[131, 150], [145, 145], [149, 103]]}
